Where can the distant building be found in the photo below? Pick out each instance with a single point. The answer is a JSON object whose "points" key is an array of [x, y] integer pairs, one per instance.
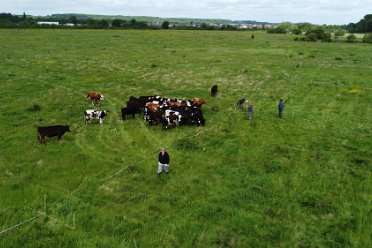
{"points": [[47, 23], [69, 24]]}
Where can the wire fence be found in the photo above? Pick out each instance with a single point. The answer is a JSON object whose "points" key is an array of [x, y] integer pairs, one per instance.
{"points": [[101, 180]]}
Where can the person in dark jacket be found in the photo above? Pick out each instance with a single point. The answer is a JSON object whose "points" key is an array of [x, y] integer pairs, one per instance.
{"points": [[281, 108], [163, 163]]}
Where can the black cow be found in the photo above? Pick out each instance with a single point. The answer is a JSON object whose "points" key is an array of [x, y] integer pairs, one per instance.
{"points": [[197, 117], [214, 90], [154, 116], [145, 99], [191, 116], [135, 104], [52, 131], [128, 111]]}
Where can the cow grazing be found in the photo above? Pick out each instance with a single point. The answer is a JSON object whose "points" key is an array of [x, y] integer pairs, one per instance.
{"points": [[153, 105], [196, 117], [170, 119], [135, 105], [128, 111], [188, 116], [145, 99], [95, 98], [240, 103], [95, 115], [198, 101], [214, 90], [52, 131], [154, 116]]}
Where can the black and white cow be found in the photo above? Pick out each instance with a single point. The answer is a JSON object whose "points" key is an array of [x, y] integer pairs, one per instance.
{"points": [[95, 115], [193, 116], [189, 116], [171, 119]]}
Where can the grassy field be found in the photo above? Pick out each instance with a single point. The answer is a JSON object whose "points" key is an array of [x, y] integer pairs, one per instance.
{"points": [[303, 181]]}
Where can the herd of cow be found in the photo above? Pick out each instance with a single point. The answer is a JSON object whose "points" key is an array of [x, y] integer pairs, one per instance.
{"points": [[156, 109], [168, 112]]}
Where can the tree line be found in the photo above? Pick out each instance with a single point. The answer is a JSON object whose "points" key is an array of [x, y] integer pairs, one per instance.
{"points": [[363, 26], [8, 20]]}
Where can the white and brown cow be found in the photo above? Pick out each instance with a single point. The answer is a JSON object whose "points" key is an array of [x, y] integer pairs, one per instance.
{"points": [[95, 98]]}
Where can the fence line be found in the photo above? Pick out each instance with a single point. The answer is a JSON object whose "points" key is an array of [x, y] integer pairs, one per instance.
{"points": [[99, 181], [17, 225], [58, 221]]}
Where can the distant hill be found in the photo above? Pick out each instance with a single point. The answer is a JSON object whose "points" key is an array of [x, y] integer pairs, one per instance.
{"points": [[155, 19]]}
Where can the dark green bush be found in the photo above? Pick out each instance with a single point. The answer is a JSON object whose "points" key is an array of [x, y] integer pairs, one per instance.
{"points": [[351, 38], [311, 37], [318, 33], [367, 38]]}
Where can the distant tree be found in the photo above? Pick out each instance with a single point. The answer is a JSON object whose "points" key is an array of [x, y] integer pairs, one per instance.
{"points": [[24, 17], [277, 30], [103, 23], [72, 19], [133, 22], [351, 38], [363, 26], [305, 26], [297, 31], [165, 25], [117, 23], [92, 23], [367, 38], [287, 26]]}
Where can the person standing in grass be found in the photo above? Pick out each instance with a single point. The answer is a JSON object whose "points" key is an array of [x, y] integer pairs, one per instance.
{"points": [[250, 112], [281, 108], [163, 163]]}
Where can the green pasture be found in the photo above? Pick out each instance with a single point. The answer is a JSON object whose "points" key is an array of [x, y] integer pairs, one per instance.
{"points": [[302, 181]]}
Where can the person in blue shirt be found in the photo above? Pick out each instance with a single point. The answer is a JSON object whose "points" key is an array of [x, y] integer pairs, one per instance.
{"points": [[281, 108], [250, 112]]}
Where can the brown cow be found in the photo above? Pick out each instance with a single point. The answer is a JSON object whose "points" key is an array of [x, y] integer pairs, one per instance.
{"points": [[95, 98], [199, 101], [152, 105]]}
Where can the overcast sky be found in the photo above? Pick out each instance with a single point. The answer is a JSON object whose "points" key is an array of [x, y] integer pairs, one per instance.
{"points": [[313, 11]]}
